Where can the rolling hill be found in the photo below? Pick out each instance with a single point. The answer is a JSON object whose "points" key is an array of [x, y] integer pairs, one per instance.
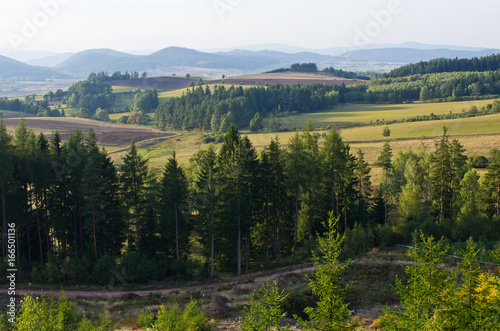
{"points": [[12, 69]]}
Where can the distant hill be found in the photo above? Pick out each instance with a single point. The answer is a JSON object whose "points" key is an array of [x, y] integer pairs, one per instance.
{"points": [[408, 55], [236, 61], [85, 62], [13, 69], [50, 61]]}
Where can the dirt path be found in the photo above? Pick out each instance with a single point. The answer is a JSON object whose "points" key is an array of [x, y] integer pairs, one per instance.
{"points": [[111, 293]]}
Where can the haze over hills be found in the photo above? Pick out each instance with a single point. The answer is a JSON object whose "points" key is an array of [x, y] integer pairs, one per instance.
{"points": [[10, 68], [235, 61]]}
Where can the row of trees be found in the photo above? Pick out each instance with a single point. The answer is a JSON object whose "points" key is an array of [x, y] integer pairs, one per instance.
{"points": [[207, 110], [27, 107], [240, 206], [483, 63]]}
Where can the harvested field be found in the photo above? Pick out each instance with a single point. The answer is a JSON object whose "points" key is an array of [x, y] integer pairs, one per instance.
{"points": [[286, 78], [283, 78], [107, 133], [158, 83]]}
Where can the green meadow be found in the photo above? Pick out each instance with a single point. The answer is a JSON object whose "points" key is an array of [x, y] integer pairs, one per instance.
{"points": [[350, 114]]}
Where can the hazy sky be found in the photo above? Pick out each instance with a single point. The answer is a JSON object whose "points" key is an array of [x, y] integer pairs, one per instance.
{"points": [[73, 25]]}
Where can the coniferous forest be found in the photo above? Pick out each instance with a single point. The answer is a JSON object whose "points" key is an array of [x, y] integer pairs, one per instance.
{"points": [[234, 208]]}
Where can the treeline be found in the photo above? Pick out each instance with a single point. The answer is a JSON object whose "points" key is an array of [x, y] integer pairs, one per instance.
{"points": [[455, 86], [313, 68], [77, 214], [208, 110], [344, 74], [90, 94], [40, 107], [484, 63]]}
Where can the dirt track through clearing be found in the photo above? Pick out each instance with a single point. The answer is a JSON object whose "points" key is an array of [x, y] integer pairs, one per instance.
{"points": [[142, 293]]}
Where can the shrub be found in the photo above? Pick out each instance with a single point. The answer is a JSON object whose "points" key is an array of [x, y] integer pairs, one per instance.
{"points": [[191, 319], [145, 319], [265, 311]]}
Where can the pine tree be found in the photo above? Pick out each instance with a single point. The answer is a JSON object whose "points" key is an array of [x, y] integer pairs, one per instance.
{"points": [[422, 295], [133, 178], [205, 198], [331, 311], [237, 163], [173, 211], [362, 173], [335, 166], [458, 162], [384, 161], [312, 170], [492, 185], [442, 175], [265, 311], [296, 178]]}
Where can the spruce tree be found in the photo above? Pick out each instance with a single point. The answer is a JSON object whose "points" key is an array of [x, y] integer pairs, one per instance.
{"points": [[296, 178], [384, 161], [205, 198], [442, 176], [173, 210], [492, 185], [331, 311], [133, 179]]}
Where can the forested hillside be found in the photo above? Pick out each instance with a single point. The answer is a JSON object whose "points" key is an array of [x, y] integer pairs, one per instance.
{"points": [[75, 210], [481, 64]]}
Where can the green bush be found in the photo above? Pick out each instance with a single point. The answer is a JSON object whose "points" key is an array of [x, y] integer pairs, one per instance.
{"points": [[145, 319], [191, 319]]}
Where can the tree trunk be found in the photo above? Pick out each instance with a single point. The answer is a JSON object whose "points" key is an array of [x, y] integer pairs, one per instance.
{"points": [[137, 227], [247, 252], [176, 233], [212, 248], [39, 236], [94, 230], [76, 237]]}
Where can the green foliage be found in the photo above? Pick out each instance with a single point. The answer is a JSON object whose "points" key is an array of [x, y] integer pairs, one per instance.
{"points": [[137, 117], [101, 115], [435, 298], [146, 319], [51, 314], [265, 311], [386, 132], [422, 294], [256, 123], [90, 94], [146, 101], [191, 319], [331, 312]]}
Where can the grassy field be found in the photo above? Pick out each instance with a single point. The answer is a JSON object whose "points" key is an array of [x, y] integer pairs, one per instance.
{"points": [[13, 114], [123, 89], [369, 113]]}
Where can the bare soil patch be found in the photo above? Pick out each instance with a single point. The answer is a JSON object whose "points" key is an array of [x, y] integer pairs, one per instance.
{"points": [[287, 78], [107, 133], [283, 78]]}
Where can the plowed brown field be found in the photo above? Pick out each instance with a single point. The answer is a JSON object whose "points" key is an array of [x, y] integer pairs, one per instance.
{"points": [[107, 133]]}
